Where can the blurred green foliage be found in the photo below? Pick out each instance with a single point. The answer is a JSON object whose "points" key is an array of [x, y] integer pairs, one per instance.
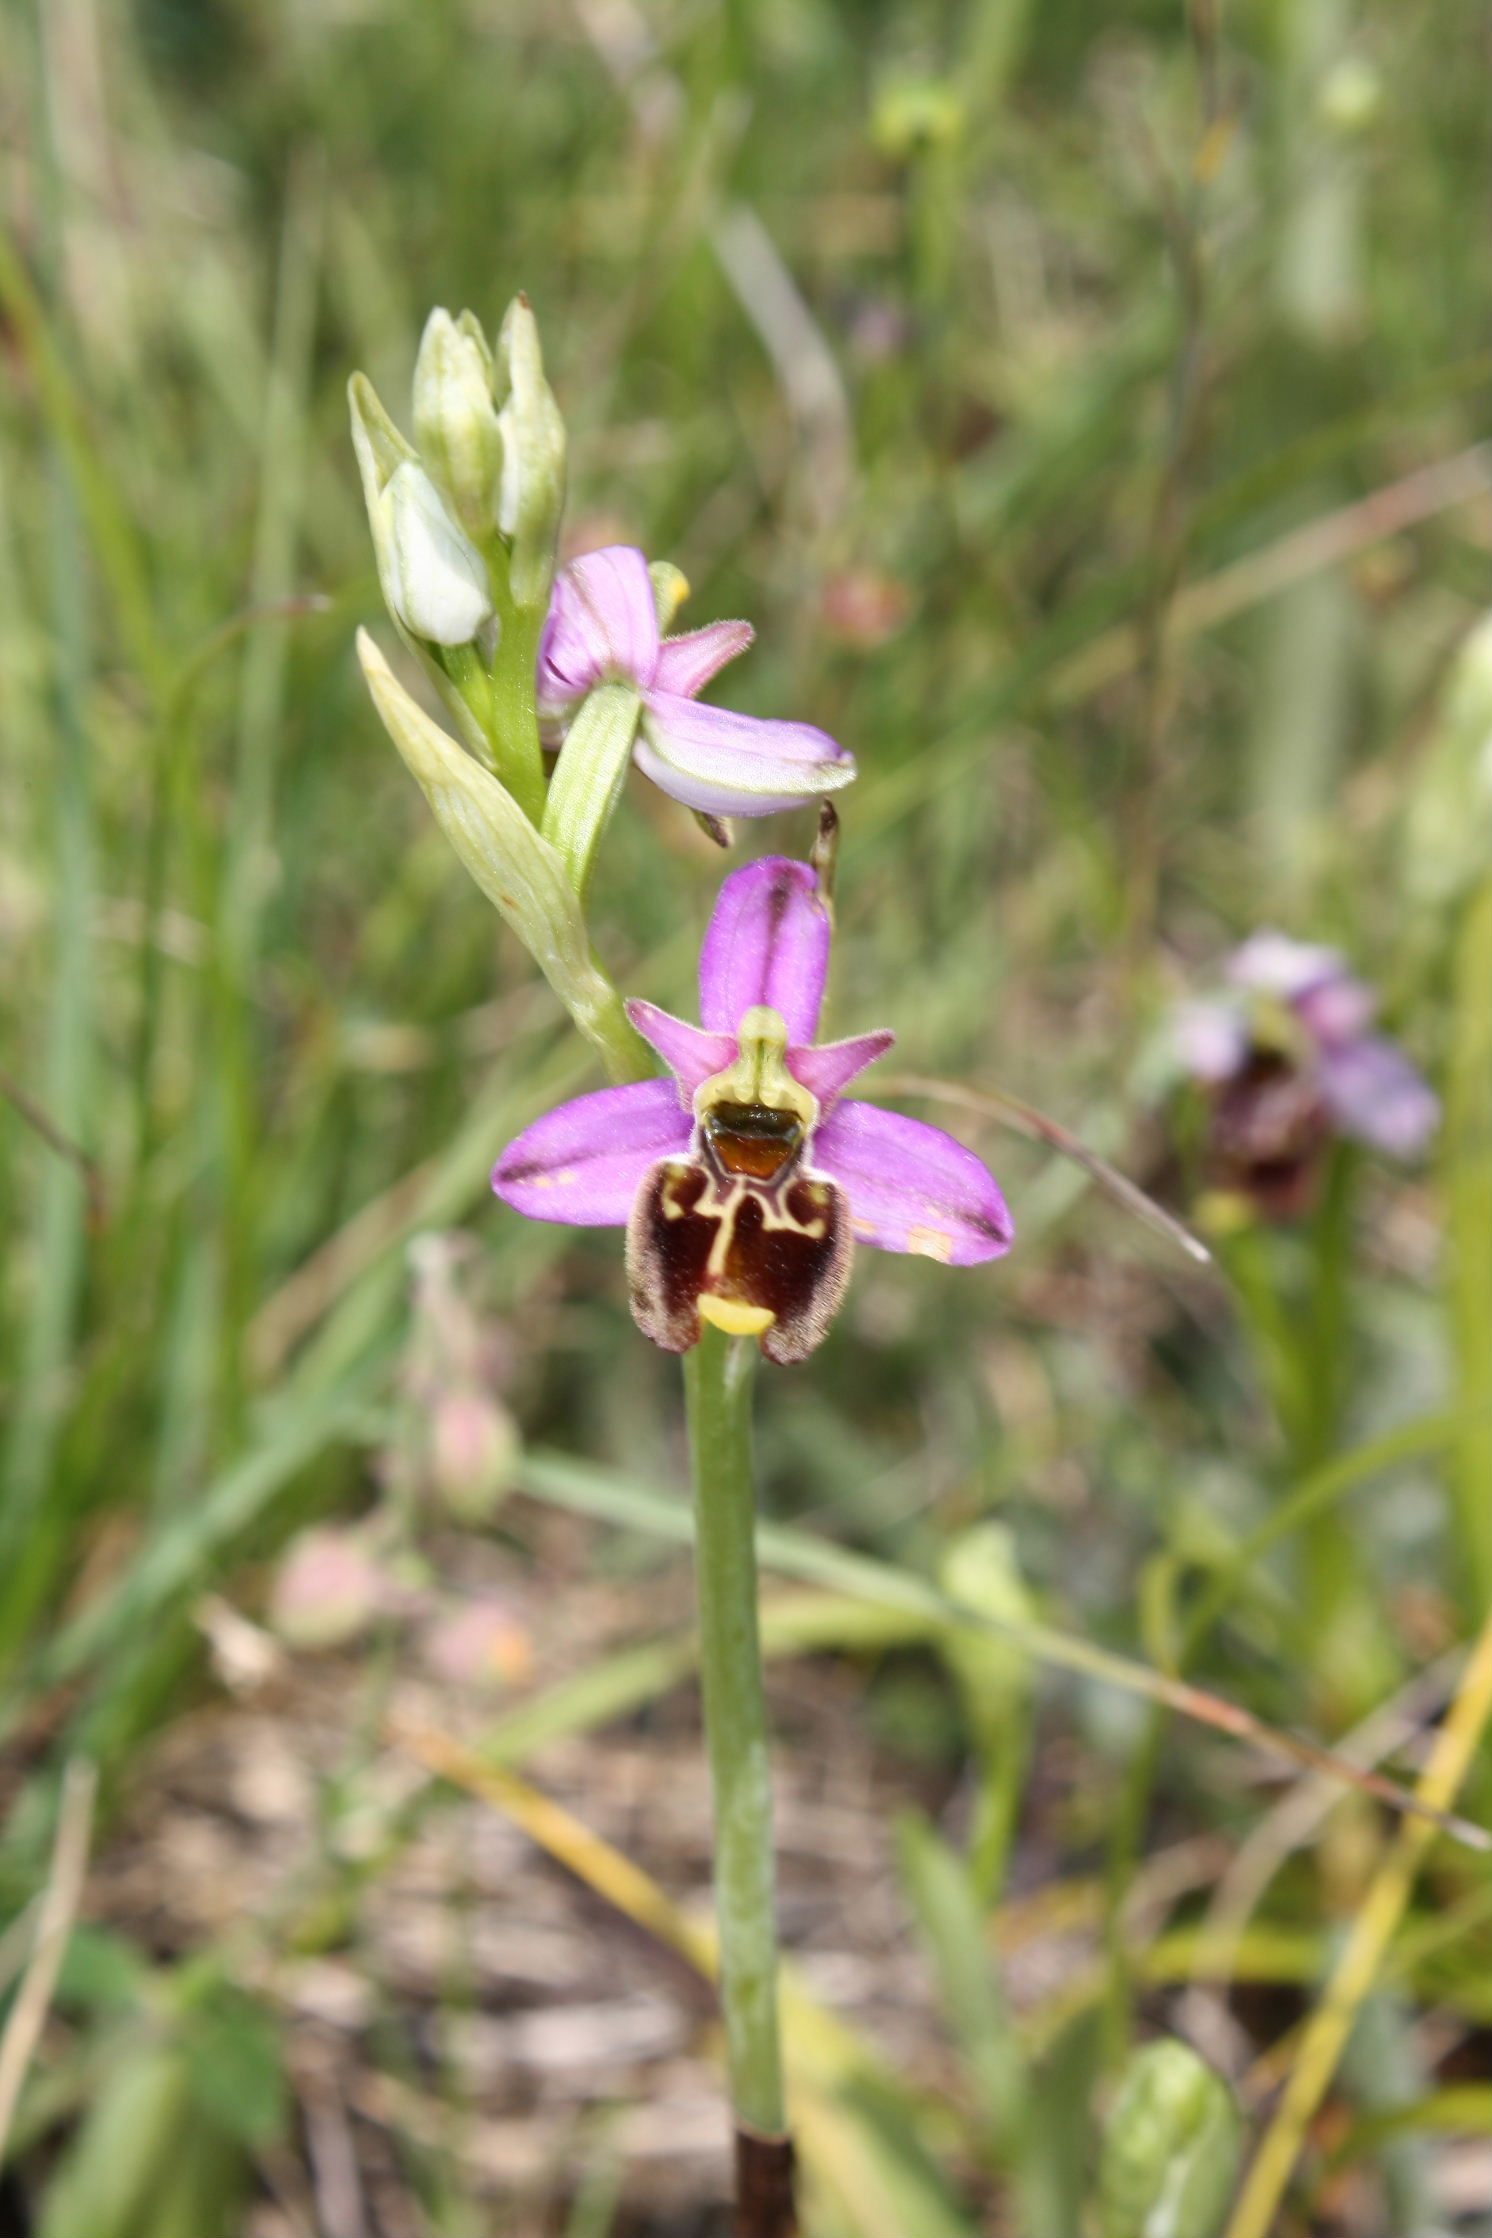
{"points": [[1082, 406]]}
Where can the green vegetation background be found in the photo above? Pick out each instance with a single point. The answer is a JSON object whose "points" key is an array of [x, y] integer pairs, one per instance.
{"points": [[1082, 405]]}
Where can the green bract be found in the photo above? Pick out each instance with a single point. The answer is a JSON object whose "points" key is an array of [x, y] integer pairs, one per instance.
{"points": [[519, 872], [589, 775]]}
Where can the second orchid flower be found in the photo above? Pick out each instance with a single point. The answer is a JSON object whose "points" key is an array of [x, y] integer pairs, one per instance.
{"points": [[603, 628]]}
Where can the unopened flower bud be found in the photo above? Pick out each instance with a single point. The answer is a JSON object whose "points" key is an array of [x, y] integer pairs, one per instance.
{"points": [[482, 1644], [455, 419], [327, 1590], [532, 493], [1171, 2148], [472, 1448], [437, 583]]}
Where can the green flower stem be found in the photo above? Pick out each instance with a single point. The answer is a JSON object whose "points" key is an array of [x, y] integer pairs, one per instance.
{"points": [[589, 776], [601, 1014], [515, 715], [463, 665], [717, 1390]]}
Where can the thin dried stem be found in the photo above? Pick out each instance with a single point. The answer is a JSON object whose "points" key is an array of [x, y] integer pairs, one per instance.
{"points": [[1025, 1119], [58, 1909], [1326, 2034]]}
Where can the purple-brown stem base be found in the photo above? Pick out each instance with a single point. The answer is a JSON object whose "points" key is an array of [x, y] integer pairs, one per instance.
{"points": [[764, 2186]]}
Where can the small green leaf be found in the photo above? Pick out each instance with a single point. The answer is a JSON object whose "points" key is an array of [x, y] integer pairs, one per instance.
{"points": [[1172, 2147], [120, 2156], [235, 2068], [101, 1970], [952, 1924]]}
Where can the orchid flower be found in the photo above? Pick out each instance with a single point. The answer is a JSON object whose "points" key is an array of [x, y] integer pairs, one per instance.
{"points": [[745, 1179], [1290, 1058], [603, 628]]}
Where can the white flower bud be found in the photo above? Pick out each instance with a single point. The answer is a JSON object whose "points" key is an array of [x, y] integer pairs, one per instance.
{"points": [[532, 495], [437, 584], [455, 418]]}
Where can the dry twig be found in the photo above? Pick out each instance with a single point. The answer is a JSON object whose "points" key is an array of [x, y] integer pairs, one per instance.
{"points": [[55, 1917]]}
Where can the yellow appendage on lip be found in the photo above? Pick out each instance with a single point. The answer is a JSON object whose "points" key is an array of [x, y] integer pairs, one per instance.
{"points": [[735, 1319]]}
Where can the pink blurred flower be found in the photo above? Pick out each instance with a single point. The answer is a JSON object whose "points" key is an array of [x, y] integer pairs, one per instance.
{"points": [[472, 1447], [864, 607], [329, 1588], [1290, 1058], [481, 1643]]}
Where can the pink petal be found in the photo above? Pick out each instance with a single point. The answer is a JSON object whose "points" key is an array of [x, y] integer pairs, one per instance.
{"points": [[583, 1162], [1271, 963], [693, 1056], [911, 1187], [768, 942], [1210, 1038], [686, 664], [736, 765], [1376, 1096], [602, 626], [830, 1067], [1337, 1010]]}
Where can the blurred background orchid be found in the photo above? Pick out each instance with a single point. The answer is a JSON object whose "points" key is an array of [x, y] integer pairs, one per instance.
{"points": [[1289, 1059]]}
